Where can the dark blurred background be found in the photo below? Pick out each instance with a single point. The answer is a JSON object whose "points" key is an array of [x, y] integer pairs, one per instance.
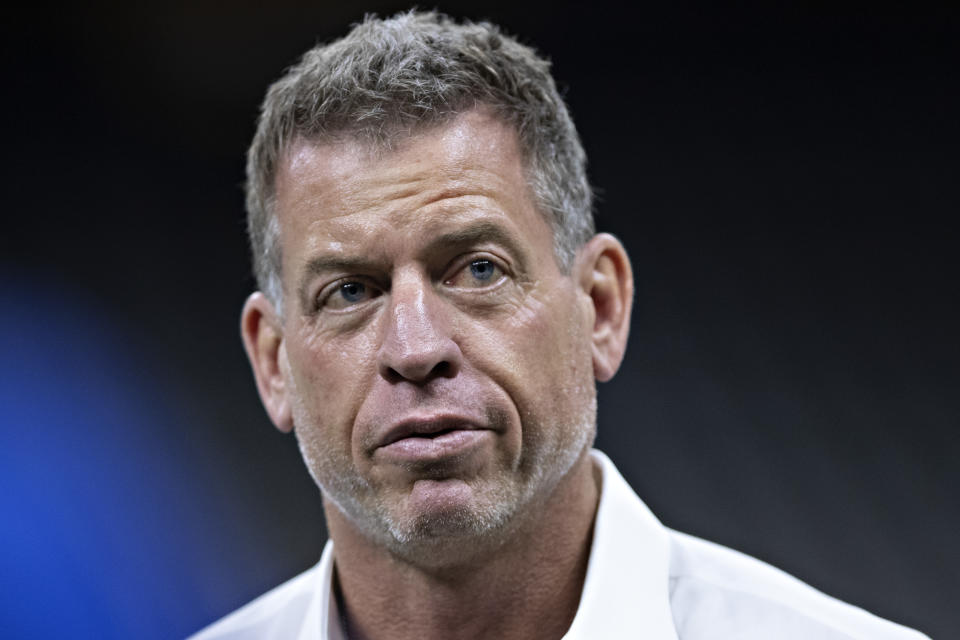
{"points": [[784, 178]]}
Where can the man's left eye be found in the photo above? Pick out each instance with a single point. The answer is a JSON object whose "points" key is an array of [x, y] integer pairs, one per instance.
{"points": [[478, 273], [482, 269]]}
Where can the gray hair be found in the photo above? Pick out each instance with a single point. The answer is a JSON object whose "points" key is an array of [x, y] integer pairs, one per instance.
{"points": [[387, 79]]}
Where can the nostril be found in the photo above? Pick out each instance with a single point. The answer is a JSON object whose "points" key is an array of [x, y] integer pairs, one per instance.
{"points": [[441, 370], [392, 375]]}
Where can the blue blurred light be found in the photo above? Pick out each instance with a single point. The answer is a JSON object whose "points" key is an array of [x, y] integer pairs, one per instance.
{"points": [[91, 479]]}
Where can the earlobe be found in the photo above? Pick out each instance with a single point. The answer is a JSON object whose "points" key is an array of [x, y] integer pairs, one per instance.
{"points": [[606, 276], [263, 341]]}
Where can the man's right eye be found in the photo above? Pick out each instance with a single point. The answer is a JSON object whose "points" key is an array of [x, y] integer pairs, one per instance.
{"points": [[347, 293]]}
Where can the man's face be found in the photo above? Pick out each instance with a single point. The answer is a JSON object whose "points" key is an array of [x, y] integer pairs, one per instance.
{"points": [[436, 360]]}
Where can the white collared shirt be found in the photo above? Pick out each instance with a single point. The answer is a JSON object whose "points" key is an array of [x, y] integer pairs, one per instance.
{"points": [[643, 581]]}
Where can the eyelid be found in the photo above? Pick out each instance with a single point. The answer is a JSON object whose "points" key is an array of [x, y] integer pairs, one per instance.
{"points": [[464, 262], [330, 289]]}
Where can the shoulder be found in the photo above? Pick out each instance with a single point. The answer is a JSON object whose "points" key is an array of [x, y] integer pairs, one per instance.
{"points": [[718, 592], [277, 613]]}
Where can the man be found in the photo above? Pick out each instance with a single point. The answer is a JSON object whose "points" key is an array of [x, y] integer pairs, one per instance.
{"points": [[434, 308]]}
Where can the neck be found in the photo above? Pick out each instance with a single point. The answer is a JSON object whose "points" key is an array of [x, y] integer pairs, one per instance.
{"points": [[528, 587]]}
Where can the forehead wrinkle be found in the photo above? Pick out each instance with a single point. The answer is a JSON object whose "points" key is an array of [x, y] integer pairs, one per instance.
{"points": [[456, 189], [449, 219], [353, 198], [424, 210], [345, 177], [337, 180]]}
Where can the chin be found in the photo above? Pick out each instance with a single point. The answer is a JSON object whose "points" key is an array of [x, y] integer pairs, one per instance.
{"points": [[448, 539], [447, 525]]}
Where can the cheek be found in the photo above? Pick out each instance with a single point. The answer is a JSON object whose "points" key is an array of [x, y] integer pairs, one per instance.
{"points": [[563, 362], [330, 379], [542, 359]]}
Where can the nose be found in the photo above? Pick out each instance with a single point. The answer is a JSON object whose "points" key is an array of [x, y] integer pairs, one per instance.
{"points": [[417, 344]]}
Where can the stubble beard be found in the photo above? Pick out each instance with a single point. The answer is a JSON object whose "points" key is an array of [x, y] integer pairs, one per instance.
{"points": [[450, 535]]}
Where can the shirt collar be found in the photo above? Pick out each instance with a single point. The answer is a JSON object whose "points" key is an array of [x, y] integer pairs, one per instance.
{"points": [[324, 613], [626, 591]]}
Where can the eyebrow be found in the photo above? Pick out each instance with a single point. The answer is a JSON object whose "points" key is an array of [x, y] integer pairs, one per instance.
{"points": [[476, 233]]}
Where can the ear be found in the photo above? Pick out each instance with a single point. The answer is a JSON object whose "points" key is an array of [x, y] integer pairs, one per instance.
{"points": [[604, 273], [262, 335]]}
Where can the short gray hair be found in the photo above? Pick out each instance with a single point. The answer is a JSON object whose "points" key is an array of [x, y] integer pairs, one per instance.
{"points": [[388, 78]]}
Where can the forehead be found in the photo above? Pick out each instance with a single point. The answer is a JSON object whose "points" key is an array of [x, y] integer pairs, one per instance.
{"points": [[468, 166]]}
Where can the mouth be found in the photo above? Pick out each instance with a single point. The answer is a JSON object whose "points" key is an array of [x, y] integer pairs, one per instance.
{"points": [[433, 438], [426, 427]]}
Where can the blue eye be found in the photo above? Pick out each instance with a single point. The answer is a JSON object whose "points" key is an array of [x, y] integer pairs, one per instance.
{"points": [[481, 274], [353, 291], [482, 269], [345, 294]]}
